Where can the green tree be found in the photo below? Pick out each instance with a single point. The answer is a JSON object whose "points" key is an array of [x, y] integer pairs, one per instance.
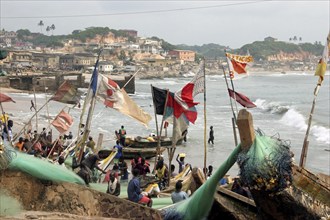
{"points": [[21, 33], [47, 29], [41, 24], [52, 28], [122, 55]]}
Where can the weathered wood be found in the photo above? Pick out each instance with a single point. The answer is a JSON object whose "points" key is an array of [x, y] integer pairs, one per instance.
{"points": [[245, 128], [99, 142], [236, 196]]}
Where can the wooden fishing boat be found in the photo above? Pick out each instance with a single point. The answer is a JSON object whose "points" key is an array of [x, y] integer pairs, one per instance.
{"points": [[230, 205], [130, 152], [146, 142]]}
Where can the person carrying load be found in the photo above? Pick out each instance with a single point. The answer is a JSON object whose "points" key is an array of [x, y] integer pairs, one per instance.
{"points": [[122, 135]]}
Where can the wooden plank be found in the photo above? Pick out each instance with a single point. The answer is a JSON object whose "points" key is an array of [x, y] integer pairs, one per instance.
{"points": [[245, 128], [236, 196]]}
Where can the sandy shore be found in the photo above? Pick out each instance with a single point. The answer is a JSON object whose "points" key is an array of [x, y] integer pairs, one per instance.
{"points": [[11, 90], [53, 216]]}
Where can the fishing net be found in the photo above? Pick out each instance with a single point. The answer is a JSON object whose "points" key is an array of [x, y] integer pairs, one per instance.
{"points": [[6, 156], [267, 165], [9, 206], [42, 169], [200, 203]]}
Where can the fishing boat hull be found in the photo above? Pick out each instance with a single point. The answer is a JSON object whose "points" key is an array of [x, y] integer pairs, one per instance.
{"points": [[143, 142], [130, 153]]}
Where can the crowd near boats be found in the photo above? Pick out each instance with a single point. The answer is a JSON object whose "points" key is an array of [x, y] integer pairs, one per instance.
{"points": [[134, 175]]}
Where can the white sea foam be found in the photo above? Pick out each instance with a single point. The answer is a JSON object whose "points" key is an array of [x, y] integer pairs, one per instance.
{"points": [[295, 119], [321, 134], [272, 107]]}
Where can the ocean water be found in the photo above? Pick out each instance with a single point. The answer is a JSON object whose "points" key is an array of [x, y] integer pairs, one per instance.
{"points": [[284, 103]]}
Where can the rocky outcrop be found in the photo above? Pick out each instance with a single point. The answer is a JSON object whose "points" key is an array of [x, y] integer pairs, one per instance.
{"points": [[46, 196]]}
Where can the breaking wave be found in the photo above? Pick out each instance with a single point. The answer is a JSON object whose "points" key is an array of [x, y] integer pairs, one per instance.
{"points": [[295, 119], [272, 107]]}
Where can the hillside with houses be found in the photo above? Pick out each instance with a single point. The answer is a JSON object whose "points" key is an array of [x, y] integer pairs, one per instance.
{"points": [[125, 52]]}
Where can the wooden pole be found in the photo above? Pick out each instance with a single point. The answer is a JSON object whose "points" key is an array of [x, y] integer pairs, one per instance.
{"points": [[35, 107], [131, 78], [234, 130], [231, 105], [245, 128], [205, 123], [99, 143], [158, 135], [6, 121], [303, 156], [20, 132], [85, 135]]}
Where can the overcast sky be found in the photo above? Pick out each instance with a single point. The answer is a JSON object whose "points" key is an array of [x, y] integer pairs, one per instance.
{"points": [[228, 23]]}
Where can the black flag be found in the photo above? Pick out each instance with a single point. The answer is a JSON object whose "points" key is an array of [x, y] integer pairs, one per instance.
{"points": [[159, 99]]}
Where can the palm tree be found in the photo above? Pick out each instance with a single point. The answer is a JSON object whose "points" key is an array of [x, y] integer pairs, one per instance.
{"points": [[41, 24], [48, 29], [52, 28]]}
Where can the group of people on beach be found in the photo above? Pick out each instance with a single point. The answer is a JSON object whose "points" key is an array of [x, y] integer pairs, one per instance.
{"points": [[42, 144]]}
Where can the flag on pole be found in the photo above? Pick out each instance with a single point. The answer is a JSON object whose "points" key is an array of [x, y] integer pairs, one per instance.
{"points": [[179, 126], [173, 107], [185, 96], [67, 93], [238, 63], [159, 99], [94, 79], [62, 122], [241, 99], [322, 65], [112, 96], [5, 98]]}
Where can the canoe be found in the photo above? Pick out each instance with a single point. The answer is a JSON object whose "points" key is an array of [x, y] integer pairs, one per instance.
{"points": [[130, 153], [309, 194], [147, 153], [143, 142], [231, 205]]}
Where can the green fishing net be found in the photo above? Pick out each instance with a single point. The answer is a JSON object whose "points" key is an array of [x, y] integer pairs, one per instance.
{"points": [[43, 169], [9, 206], [267, 165]]}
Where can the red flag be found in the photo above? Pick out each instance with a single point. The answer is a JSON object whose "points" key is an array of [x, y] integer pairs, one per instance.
{"points": [[67, 93], [62, 122], [238, 63], [241, 99], [238, 67], [175, 108], [183, 100], [5, 98]]}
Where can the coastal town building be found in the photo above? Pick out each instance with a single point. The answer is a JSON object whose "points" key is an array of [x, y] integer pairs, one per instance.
{"points": [[184, 55], [105, 67]]}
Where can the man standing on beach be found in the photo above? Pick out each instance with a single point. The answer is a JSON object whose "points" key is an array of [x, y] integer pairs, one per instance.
{"points": [[122, 135], [119, 150], [211, 136]]}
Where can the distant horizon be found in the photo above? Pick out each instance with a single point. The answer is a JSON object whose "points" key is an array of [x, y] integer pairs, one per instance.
{"points": [[227, 23]]}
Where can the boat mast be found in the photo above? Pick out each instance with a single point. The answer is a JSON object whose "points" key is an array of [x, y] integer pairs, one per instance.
{"points": [[87, 126], [205, 126], [306, 142], [231, 105]]}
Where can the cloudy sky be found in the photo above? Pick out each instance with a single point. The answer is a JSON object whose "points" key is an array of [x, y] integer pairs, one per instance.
{"points": [[229, 23]]}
